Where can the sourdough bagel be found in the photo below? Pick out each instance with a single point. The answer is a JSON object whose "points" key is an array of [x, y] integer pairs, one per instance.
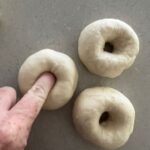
{"points": [[107, 47], [61, 65], [104, 116]]}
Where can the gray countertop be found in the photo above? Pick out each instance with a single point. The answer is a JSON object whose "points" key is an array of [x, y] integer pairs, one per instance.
{"points": [[27, 26]]}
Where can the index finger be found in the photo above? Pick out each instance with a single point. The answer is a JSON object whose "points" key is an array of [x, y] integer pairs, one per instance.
{"points": [[29, 106]]}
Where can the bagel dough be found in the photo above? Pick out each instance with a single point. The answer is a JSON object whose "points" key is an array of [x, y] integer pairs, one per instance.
{"points": [[61, 65], [107, 47], [104, 116]]}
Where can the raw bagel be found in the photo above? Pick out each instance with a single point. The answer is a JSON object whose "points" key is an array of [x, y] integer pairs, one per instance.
{"points": [[104, 116], [107, 47], [61, 65]]}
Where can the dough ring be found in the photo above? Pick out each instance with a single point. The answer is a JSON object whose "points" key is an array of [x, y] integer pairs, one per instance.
{"points": [[61, 65], [104, 116], [107, 47]]}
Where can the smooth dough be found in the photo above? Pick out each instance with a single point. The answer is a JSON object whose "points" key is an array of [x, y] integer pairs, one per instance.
{"points": [[92, 42], [104, 116], [61, 65]]}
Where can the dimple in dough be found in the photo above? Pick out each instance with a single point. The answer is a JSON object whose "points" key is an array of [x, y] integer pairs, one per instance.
{"points": [[92, 42], [104, 116], [61, 65]]}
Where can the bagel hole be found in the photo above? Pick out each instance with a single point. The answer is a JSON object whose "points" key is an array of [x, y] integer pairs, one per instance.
{"points": [[108, 47], [104, 117]]}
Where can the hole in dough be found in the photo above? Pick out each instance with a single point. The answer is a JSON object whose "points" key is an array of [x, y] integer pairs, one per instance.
{"points": [[108, 47], [104, 117]]}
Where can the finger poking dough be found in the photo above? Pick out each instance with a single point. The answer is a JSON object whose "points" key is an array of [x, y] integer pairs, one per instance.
{"points": [[104, 116], [107, 47], [61, 65]]}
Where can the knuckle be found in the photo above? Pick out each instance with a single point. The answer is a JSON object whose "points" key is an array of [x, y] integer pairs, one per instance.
{"points": [[10, 139], [7, 89], [39, 91], [6, 136]]}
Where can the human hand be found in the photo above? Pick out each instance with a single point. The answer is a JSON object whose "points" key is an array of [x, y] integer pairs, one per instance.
{"points": [[16, 119]]}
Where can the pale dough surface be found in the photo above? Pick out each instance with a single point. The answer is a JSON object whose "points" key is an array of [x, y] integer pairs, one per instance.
{"points": [[27, 26], [61, 65], [92, 42], [88, 109]]}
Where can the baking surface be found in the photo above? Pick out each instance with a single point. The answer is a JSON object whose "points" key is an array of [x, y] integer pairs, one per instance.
{"points": [[27, 26]]}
